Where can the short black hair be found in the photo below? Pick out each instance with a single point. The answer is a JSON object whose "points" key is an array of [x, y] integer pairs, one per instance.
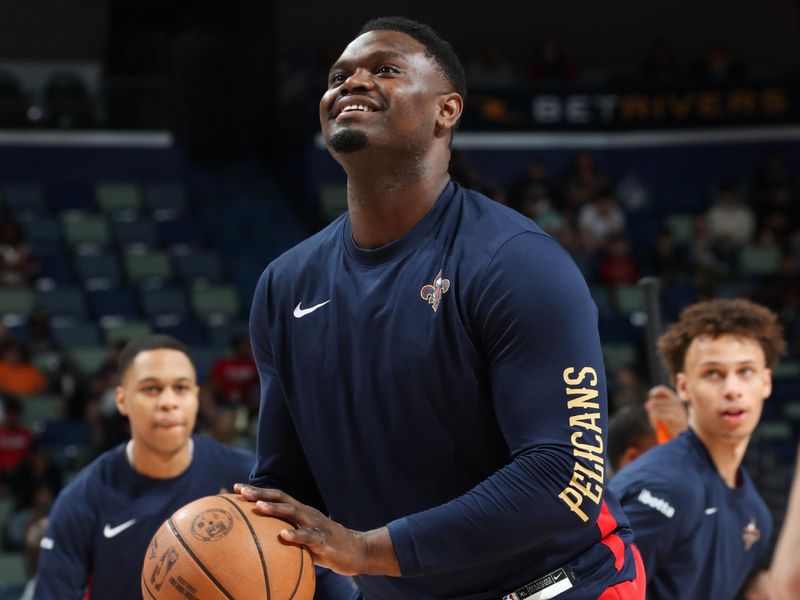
{"points": [[626, 428], [436, 47], [148, 342]]}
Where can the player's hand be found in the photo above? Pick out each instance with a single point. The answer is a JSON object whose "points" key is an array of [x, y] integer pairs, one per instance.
{"points": [[332, 545], [664, 406]]}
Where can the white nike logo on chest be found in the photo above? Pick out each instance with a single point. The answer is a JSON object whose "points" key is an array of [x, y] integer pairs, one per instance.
{"points": [[302, 312], [110, 532]]}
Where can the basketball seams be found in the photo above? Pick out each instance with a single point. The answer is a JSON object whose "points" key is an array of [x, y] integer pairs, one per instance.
{"points": [[299, 575], [147, 587], [197, 560], [257, 543]]}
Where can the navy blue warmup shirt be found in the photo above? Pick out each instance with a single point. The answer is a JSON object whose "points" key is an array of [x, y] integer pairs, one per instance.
{"points": [[699, 538], [449, 384]]}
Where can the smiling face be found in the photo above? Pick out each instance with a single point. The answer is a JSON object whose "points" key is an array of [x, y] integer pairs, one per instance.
{"points": [[159, 395], [384, 91], [725, 381]]}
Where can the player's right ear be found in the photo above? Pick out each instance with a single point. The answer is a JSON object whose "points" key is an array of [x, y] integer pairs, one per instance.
{"points": [[681, 386], [119, 398]]}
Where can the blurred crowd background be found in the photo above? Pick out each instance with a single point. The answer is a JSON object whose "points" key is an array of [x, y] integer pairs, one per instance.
{"points": [[154, 157]]}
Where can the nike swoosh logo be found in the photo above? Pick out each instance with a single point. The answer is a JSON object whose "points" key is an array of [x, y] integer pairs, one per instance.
{"points": [[302, 312], [110, 532], [711, 510]]}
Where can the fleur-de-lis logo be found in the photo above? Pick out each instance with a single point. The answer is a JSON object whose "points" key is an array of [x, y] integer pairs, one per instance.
{"points": [[751, 534], [432, 293]]}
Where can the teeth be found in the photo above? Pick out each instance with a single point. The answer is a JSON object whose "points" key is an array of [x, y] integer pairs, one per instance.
{"points": [[353, 107]]}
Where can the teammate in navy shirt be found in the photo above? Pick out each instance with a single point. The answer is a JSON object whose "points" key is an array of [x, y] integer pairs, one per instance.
{"points": [[697, 519], [102, 522], [430, 365]]}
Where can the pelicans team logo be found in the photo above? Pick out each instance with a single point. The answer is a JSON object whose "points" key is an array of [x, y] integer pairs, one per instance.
{"points": [[751, 534], [433, 293]]}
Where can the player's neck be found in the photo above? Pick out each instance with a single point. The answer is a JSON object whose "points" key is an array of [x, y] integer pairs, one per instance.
{"points": [[159, 465], [726, 455], [383, 208]]}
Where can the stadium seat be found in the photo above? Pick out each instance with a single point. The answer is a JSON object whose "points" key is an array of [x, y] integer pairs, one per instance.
{"points": [[117, 197], [98, 271], [22, 199], [118, 302], [165, 200], [202, 267], [147, 266], [628, 299], [15, 301], [83, 228], [136, 232], [124, 331], [618, 355], [332, 200], [681, 226], [215, 301], [758, 260], [56, 268], [71, 195], [41, 407], [181, 232], [44, 233], [89, 360], [12, 569], [62, 301], [191, 332], [164, 301], [78, 335], [221, 334]]}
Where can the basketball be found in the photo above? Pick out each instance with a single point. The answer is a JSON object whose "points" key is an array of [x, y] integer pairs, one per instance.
{"points": [[219, 547]]}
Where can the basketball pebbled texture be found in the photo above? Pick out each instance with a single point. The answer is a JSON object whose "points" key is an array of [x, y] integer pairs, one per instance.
{"points": [[219, 547]]}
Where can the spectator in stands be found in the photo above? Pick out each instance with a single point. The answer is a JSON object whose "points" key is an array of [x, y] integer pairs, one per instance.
{"points": [[708, 268], [618, 267], [234, 378], [490, 69], [551, 62], [16, 440], [583, 183], [731, 223], [17, 263], [602, 217], [778, 210], [629, 436], [18, 375], [533, 184], [669, 259], [627, 388]]}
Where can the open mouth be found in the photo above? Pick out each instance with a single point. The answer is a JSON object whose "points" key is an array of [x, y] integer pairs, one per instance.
{"points": [[734, 415], [353, 107]]}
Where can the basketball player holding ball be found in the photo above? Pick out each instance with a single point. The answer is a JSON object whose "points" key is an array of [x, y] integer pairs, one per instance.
{"points": [[433, 404], [102, 522]]}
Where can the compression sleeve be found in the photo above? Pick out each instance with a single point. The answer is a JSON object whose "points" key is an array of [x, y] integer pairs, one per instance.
{"points": [[537, 326], [280, 460], [65, 557]]}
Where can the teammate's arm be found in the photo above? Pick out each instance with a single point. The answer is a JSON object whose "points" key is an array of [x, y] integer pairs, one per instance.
{"points": [[66, 550]]}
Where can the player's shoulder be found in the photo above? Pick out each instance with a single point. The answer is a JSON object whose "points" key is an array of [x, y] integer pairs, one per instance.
{"points": [[86, 488], [669, 473], [307, 252]]}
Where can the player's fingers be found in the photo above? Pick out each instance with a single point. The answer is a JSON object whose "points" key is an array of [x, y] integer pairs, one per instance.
{"points": [[254, 494], [313, 537], [294, 513]]}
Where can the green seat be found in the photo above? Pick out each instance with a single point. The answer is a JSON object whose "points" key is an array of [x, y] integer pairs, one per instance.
{"points": [[791, 410], [6, 504], [44, 407], [787, 368], [758, 260], [116, 197], [618, 354], [147, 265], [681, 226], [15, 301], [629, 299], [82, 228], [126, 331], [774, 431], [12, 569], [89, 359], [217, 300], [333, 200]]}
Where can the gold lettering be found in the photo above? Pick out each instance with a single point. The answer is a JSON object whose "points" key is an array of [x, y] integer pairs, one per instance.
{"points": [[708, 105], [593, 494], [587, 421], [598, 475], [581, 376], [581, 402], [581, 446], [681, 107], [634, 107], [742, 102], [774, 101], [574, 500]]}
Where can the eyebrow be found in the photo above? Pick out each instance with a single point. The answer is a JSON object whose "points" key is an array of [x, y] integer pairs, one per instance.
{"points": [[378, 54], [157, 380], [747, 361]]}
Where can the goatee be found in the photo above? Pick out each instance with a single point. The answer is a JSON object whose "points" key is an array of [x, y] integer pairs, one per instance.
{"points": [[348, 140]]}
